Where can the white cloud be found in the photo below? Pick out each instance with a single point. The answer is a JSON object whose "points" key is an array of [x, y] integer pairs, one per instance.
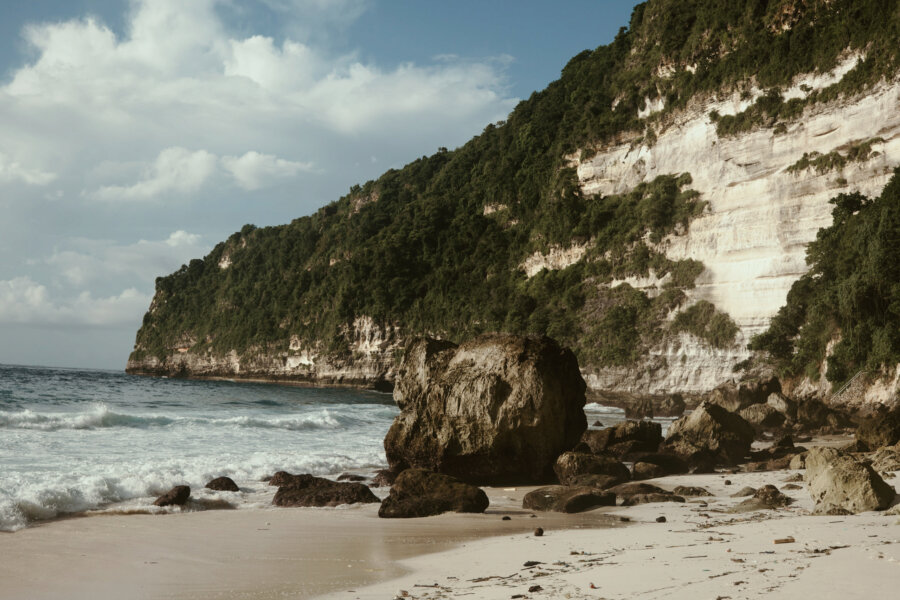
{"points": [[24, 301], [89, 262], [175, 171], [254, 170], [11, 171]]}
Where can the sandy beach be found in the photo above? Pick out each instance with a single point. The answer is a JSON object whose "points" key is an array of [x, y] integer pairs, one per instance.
{"points": [[700, 551]]}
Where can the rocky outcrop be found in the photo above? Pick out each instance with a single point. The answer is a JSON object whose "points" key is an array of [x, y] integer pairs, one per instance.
{"points": [[737, 397], [498, 408], [308, 490], [571, 465], [625, 439], [223, 484], [838, 482], [421, 493], [567, 499], [763, 416], [177, 496], [880, 431], [710, 429], [768, 497]]}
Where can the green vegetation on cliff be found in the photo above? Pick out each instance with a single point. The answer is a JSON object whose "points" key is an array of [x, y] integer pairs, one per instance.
{"points": [[436, 247], [851, 294]]}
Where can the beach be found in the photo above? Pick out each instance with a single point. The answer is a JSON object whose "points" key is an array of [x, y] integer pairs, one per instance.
{"points": [[700, 551]]}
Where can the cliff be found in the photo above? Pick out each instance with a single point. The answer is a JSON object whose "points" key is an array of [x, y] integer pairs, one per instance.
{"points": [[650, 209]]}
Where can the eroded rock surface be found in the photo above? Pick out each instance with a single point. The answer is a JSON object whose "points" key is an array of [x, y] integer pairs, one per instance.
{"points": [[837, 481], [497, 409], [567, 499], [714, 430]]}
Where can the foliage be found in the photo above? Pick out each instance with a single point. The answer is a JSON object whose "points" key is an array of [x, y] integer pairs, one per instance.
{"points": [[416, 249], [851, 293], [834, 160], [704, 321]]}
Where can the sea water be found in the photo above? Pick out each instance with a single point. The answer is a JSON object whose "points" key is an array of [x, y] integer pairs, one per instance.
{"points": [[73, 441], [76, 441]]}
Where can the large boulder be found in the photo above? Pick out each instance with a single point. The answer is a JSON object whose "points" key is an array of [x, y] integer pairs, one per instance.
{"points": [[881, 431], [710, 429], [496, 409], [783, 404], [308, 490], [838, 482], [814, 414], [422, 493], [625, 438], [763, 416], [570, 465], [567, 499], [734, 397], [671, 406]]}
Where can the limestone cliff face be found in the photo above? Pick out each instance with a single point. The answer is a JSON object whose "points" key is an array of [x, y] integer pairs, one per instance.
{"points": [[761, 213], [369, 362], [764, 207]]}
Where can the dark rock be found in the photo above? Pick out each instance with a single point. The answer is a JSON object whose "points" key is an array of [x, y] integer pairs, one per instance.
{"points": [[350, 477], [499, 408], [814, 414], [597, 481], [570, 465], [792, 486], [582, 448], [506, 518], [597, 424], [727, 482], [625, 490], [683, 490], [660, 519], [384, 477], [308, 490], [836, 480], [880, 431], [421, 493], [671, 406], [567, 499], [639, 408], [855, 446], [766, 497], [539, 531], [670, 463], [177, 496], [535, 588], [650, 498], [283, 477], [711, 428], [782, 404], [223, 484], [735, 397], [793, 478], [644, 470], [625, 438]]}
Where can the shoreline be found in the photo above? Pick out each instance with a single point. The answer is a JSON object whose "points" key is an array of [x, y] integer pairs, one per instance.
{"points": [[251, 553]]}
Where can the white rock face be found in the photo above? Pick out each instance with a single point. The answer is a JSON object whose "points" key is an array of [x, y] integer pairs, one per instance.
{"points": [[760, 217], [557, 258]]}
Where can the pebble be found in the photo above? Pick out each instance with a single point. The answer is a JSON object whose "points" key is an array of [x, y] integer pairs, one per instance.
{"points": [[539, 532]]}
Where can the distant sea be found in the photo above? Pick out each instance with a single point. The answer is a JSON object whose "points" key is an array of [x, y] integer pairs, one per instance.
{"points": [[75, 441]]}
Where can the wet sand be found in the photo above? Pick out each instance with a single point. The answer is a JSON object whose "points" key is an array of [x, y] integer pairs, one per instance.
{"points": [[245, 554]]}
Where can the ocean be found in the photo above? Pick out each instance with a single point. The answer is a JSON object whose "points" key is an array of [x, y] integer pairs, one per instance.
{"points": [[75, 441]]}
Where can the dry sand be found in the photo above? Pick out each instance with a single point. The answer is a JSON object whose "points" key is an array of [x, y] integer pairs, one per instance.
{"points": [[699, 552]]}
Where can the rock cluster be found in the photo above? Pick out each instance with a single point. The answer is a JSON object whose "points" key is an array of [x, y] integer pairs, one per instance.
{"points": [[711, 430]]}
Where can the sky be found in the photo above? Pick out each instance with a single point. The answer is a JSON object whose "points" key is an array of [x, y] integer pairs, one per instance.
{"points": [[137, 134]]}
